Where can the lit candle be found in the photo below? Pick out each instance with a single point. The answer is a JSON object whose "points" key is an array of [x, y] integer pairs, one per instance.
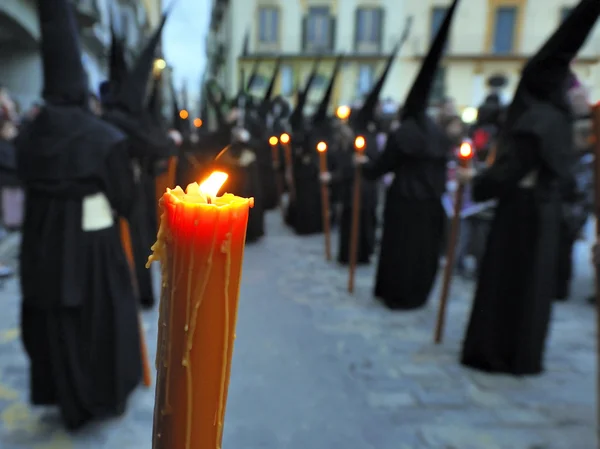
{"points": [[322, 149], [359, 146], [274, 142], [200, 246], [289, 164], [465, 156]]}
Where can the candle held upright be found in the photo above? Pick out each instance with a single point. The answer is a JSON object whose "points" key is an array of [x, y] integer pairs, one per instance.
{"points": [[200, 246]]}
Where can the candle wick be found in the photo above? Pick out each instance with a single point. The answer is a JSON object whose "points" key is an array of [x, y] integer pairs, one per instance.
{"points": [[208, 200], [222, 152]]}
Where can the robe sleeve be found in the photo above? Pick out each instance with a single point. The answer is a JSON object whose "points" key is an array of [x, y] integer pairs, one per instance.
{"points": [[119, 180], [508, 169], [386, 162]]}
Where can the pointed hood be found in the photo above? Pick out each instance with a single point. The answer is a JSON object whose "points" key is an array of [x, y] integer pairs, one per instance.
{"points": [[155, 100], [266, 101], [321, 113], [65, 79], [132, 91], [367, 111], [297, 115], [253, 73], [415, 105], [117, 61], [546, 75]]}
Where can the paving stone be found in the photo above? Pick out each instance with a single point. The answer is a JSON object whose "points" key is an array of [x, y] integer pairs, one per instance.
{"points": [[317, 368]]}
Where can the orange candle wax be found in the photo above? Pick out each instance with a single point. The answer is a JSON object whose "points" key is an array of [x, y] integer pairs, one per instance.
{"points": [[200, 246]]}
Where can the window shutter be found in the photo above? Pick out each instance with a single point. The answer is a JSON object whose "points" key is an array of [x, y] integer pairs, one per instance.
{"points": [[332, 29], [356, 22], [304, 32], [381, 24]]}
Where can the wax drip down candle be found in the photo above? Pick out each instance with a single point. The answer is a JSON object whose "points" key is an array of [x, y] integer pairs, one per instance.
{"points": [[200, 246]]}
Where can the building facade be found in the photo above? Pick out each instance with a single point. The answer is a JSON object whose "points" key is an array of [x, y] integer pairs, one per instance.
{"points": [[488, 37], [20, 65]]}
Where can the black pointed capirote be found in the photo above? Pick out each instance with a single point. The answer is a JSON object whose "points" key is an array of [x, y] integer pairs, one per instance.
{"points": [[297, 116], [417, 100], [321, 113], [65, 79]]}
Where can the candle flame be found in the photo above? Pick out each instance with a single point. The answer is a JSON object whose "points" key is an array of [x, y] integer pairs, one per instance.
{"points": [[273, 140], [360, 143], [285, 138], [465, 151], [343, 112], [321, 147], [213, 183]]}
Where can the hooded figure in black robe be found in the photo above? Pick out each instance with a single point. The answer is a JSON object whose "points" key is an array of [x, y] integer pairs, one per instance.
{"points": [[413, 223], [79, 321], [364, 124], [308, 211], [261, 131], [299, 128], [239, 158], [149, 144], [512, 308]]}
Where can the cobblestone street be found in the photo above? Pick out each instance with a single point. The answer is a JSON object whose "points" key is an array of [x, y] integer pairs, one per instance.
{"points": [[317, 368]]}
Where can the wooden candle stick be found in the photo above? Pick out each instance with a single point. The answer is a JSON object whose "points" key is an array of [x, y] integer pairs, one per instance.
{"points": [[274, 143], [596, 141], [128, 250], [200, 246], [289, 164], [359, 146], [322, 149], [465, 155]]}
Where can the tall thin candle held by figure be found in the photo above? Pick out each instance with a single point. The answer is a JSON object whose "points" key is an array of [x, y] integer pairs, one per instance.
{"points": [[465, 154], [322, 149], [274, 143], [359, 146], [200, 246]]}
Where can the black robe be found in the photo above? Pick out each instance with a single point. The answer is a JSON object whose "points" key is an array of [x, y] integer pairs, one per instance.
{"points": [[304, 212], [147, 144], [512, 308], [413, 223], [368, 206], [79, 319]]}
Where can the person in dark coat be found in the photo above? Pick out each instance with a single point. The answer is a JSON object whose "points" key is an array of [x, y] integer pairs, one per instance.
{"points": [[512, 308], [149, 143], [364, 124], [299, 128], [79, 320], [308, 217], [413, 229]]}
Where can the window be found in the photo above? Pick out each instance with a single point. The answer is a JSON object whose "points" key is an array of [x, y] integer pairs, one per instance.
{"points": [[365, 79], [287, 80], [268, 25], [318, 28], [564, 12], [504, 30], [368, 26]]}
